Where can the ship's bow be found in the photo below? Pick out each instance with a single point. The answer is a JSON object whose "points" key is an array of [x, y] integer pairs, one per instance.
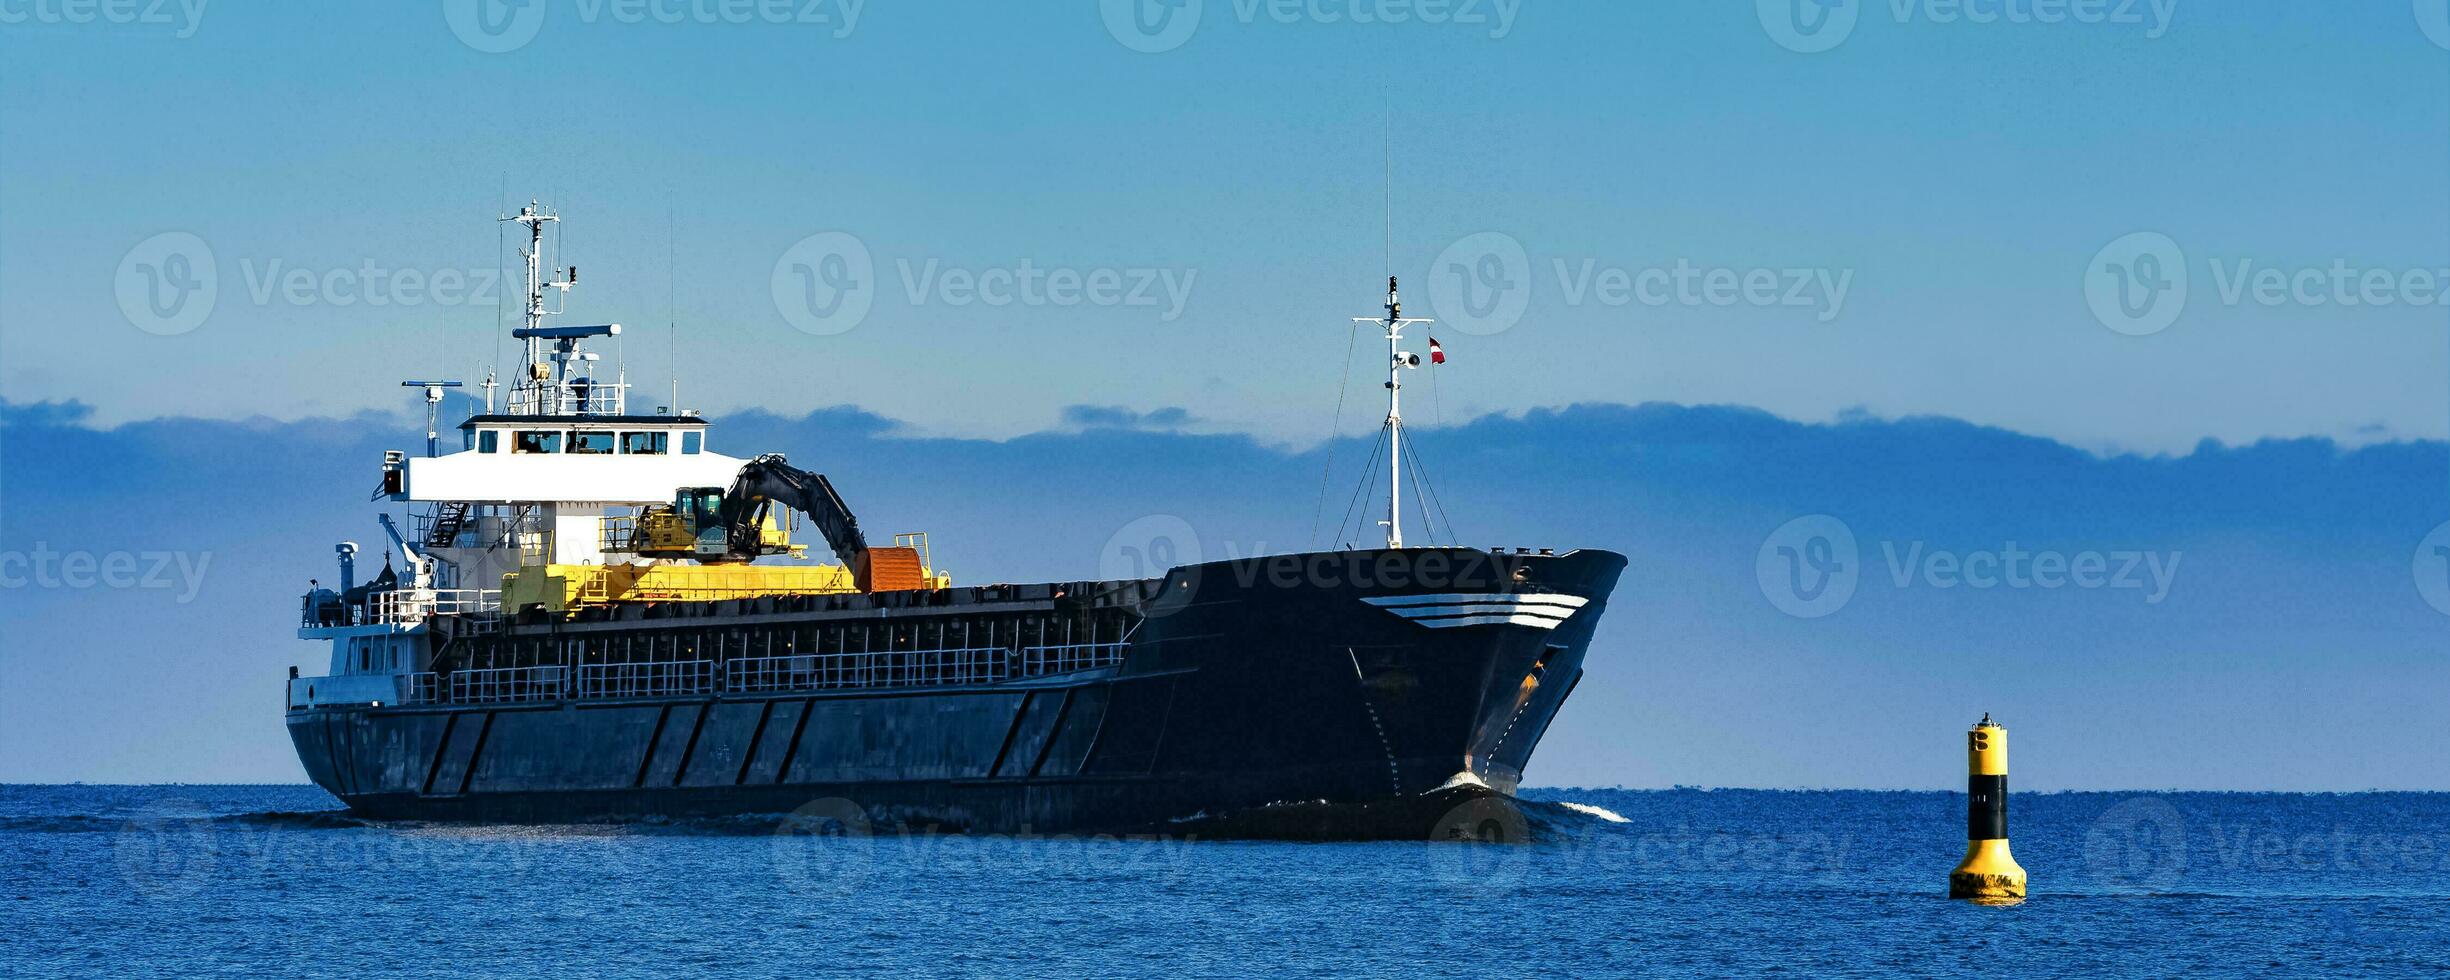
{"points": [[1372, 676]]}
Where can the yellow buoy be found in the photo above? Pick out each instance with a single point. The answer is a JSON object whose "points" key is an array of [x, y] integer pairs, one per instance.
{"points": [[1989, 874]]}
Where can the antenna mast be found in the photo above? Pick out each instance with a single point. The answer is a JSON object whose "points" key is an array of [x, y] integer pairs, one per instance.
{"points": [[545, 386], [433, 407], [1398, 360]]}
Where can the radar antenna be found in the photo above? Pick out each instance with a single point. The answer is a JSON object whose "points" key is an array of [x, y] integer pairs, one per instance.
{"points": [[547, 385]]}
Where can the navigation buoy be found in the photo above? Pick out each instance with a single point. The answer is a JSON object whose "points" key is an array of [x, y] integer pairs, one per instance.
{"points": [[1989, 875]]}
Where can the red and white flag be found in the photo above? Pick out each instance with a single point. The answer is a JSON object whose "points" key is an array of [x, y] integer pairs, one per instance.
{"points": [[1437, 354]]}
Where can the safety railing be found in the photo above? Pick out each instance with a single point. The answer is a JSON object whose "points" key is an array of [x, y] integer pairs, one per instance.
{"points": [[399, 607], [1068, 657], [618, 535], [550, 398], [900, 668], [646, 680], [422, 688], [947, 667], [507, 685]]}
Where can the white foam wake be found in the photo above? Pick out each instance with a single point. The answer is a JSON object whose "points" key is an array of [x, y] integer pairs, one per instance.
{"points": [[1601, 812]]}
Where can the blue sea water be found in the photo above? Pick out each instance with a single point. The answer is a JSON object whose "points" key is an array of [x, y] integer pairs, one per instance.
{"points": [[275, 880]]}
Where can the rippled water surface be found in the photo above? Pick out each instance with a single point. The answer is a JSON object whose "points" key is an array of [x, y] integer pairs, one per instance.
{"points": [[184, 880]]}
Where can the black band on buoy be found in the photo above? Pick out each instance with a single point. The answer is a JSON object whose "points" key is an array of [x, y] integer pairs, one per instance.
{"points": [[1986, 808]]}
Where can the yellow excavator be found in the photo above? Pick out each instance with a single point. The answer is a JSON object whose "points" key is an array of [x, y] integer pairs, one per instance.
{"points": [[720, 531], [739, 524]]}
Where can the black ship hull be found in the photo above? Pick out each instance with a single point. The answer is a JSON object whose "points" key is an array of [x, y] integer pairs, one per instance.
{"points": [[1347, 694]]}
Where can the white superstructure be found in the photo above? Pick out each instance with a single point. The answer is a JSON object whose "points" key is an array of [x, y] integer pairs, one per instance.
{"points": [[536, 484]]}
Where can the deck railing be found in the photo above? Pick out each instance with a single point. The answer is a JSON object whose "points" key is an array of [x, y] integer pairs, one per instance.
{"points": [[949, 667], [399, 607], [507, 685], [1068, 657], [659, 679], [423, 688], [901, 668]]}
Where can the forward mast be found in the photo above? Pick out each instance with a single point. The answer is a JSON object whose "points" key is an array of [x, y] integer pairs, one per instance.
{"points": [[1398, 361]]}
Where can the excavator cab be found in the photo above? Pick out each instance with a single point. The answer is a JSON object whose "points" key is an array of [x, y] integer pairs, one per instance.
{"points": [[700, 508], [693, 526]]}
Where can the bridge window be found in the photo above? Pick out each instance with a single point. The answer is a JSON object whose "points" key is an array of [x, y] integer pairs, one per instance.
{"points": [[592, 443], [690, 441], [646, 443], [488, 441], [536, 442]]}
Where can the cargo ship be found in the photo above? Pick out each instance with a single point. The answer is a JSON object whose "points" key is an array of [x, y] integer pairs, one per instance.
{"points": [[596, 616]]}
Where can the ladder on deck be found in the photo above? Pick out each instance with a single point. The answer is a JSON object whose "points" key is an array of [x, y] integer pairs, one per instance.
{"points": [[449, 518]]}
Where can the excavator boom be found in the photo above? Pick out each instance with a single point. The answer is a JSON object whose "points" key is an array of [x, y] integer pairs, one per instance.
{"points": [[769, 480]]}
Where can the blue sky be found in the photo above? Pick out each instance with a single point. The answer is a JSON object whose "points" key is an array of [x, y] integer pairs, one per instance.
{"points": [[1959, 177], [883, 240]]}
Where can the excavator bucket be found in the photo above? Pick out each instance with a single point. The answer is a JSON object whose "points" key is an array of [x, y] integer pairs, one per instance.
{"points": [[895, 570]]}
